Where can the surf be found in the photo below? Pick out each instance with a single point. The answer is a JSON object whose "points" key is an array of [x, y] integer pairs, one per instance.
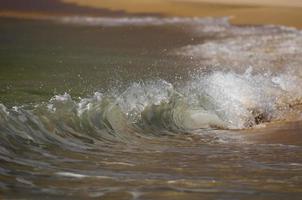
{"points": [[217, 100]]}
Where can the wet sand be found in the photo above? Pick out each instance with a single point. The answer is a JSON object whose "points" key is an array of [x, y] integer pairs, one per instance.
{"points": [[285, 133]]}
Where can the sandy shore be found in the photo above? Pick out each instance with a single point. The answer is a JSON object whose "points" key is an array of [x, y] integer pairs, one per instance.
{"points": [[283, 12], [285, 3], [280, 12]]}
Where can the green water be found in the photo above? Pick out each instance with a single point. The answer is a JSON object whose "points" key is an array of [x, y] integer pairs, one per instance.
{"points": [[39, 58]]}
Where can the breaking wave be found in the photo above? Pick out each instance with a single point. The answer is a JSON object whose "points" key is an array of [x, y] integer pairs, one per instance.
{"points": [[223, 97], [224, 100]]}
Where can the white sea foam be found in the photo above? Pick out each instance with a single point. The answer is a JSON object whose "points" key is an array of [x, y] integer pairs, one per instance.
{"points": [[73, 175], [143, 21], [245, 99], [80, 176]]}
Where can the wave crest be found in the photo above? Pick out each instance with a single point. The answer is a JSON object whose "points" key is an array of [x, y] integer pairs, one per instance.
{"points": [[219, 99]]}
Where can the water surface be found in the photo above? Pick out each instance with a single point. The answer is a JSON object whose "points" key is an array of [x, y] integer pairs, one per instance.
{"points": [[149, 108]]}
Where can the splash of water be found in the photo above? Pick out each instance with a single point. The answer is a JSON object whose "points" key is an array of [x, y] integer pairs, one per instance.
{"points": [[224, 100]]}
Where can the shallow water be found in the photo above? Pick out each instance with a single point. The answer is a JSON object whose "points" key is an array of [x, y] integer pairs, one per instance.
{"points": [[149, 108]]}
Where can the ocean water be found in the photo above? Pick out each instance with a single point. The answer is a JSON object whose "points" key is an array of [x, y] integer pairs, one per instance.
{"points": [[149, 108]]}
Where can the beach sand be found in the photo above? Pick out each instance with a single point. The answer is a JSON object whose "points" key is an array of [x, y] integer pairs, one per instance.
{"points": [[281, 12]]}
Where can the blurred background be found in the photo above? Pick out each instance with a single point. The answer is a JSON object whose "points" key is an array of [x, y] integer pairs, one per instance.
{"points": [[284, 12]]}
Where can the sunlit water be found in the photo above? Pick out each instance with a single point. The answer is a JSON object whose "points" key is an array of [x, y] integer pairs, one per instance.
{"points": [[149, 108]]}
